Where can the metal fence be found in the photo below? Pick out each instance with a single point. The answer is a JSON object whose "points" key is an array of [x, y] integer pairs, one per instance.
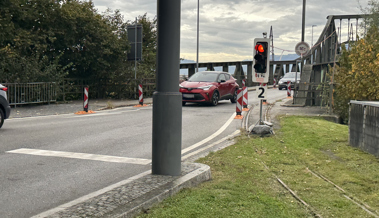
{"points": [[72, 89], [31, 93], [364, 126]]}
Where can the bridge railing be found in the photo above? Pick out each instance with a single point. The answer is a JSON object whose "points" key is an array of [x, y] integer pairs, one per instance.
{"points": [[363, 126]]}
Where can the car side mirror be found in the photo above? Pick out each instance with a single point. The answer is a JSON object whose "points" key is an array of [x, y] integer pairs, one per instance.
{"points": [[222, 81]]}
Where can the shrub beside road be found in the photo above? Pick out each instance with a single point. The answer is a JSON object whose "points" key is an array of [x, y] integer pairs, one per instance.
{"points": [[310, 156]]}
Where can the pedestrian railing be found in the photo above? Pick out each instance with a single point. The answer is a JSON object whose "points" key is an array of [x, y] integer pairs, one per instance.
{"points": [[31, 93], [72, 89]]}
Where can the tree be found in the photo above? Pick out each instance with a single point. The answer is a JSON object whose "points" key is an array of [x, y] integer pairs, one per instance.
{"points": [[358, 71]]}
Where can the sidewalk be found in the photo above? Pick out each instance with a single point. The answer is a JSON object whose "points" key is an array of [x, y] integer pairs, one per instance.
{"points": [[70, 107]]}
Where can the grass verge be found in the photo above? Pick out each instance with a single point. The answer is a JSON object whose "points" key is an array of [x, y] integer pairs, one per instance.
{"points": [[244, 176]]}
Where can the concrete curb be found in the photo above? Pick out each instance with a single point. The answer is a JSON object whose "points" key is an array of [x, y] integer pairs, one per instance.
{"points": [[146, 201], [130, 197]]}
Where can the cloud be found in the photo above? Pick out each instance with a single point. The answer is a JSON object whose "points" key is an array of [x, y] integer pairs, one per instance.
{"points": [[228, 28]]}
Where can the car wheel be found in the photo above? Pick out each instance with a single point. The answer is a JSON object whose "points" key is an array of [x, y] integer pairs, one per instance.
{"points": [[183, 103], [1, 118], [234, 98], [215, 98]]}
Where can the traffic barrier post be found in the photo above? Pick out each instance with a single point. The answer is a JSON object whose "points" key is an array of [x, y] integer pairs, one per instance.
{"points": [[85, 103], [274, 83], [239, 105], [289, 89], [243, 82], [140, 97], [245, 99], [140, 94]]}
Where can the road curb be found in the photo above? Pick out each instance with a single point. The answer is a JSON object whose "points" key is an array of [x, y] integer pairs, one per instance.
{"points": [[133, 196], [146, 201]]}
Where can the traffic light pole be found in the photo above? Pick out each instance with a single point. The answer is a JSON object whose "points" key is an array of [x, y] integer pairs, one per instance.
{"points": [[167, 100], [261, 113]]}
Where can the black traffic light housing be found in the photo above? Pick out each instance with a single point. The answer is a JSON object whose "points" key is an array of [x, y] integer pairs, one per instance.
{"points": [[261, 56]]}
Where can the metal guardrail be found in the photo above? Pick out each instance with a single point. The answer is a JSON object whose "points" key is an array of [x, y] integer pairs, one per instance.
{"points": [[31, 93]]}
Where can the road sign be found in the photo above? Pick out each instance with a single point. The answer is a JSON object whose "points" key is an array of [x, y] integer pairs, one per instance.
{"points": [[262, 91], [135, 38], [302, 48]]}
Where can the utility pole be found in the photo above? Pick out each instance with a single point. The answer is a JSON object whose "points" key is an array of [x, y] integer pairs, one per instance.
{"points": [[197, 32], [272, 44], [303, 22], [167, 100]]}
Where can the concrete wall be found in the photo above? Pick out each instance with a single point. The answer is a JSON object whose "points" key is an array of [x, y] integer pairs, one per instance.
{"points": [[364, 126]]}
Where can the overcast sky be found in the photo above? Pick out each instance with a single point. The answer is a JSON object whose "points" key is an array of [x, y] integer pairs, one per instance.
{"points": [[228, 28]]}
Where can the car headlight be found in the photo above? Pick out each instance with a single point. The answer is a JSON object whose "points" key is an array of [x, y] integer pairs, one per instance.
{"points": [[281, 82], [180, 86], [205, 87]]}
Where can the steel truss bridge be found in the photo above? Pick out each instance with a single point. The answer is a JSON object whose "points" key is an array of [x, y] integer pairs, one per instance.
{"points": [[339, 30]]}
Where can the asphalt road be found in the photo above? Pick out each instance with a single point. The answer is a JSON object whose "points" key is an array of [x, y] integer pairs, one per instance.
{"points": [[47, 161]]}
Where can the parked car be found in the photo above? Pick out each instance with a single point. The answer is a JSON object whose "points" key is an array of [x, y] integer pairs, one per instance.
{"points": [[288, 77], [5, 109], [209, 87]]}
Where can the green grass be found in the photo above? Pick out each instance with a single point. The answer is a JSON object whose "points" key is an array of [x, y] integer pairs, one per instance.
{"points": [[244, 176]]}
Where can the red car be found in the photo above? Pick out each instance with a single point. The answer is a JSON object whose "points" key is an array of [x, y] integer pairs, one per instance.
{"points": [[209, 87]]}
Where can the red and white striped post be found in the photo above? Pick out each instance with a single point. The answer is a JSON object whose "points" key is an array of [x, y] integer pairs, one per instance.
{"points": [[85, 103], [245, 98], [243, 82], [140, 94], [274, 83], [239, 105], [289, 89]]}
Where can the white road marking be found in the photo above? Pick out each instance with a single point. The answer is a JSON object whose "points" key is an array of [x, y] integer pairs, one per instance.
{"points": [[211, 145], [118, 160], [214, 135], [83, 156]]}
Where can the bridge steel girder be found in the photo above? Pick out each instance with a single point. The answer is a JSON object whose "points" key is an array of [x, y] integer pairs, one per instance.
{"points": [[326, 49], [250, 74], [210, 67], [225, 67], [239, 74]]}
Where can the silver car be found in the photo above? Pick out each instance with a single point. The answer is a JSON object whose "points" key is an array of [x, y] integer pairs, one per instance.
{"points": [[5, 109], [289, 77]]}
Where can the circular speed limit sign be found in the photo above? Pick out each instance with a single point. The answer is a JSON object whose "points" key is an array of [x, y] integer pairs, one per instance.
{"points": [[302, 48]]}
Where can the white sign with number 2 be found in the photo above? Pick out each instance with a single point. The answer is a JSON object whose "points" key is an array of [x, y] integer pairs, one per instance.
{"points": [[261, 91]]}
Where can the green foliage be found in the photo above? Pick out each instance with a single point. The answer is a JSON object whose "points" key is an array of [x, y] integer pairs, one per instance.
{"points": [[357, 75], [47, 40]]}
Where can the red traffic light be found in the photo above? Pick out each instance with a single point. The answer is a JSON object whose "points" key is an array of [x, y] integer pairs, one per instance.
{"points": [[259, 48]]}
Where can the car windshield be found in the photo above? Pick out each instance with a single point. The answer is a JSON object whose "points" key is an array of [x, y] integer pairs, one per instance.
{"points": [[292, 75], [203, 77]]}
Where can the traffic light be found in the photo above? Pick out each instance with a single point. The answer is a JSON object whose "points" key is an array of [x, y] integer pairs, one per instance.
{"points": [[260, 57], [261, 62]]}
